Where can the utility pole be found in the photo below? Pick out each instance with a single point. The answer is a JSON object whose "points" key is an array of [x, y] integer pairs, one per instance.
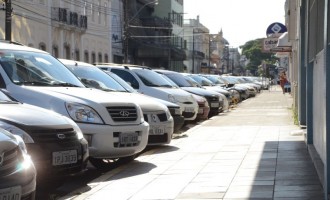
{"points": [[193, 52], [126, 34], [209, 50], [8, 20]]}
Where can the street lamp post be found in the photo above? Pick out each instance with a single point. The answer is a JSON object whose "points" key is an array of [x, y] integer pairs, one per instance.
{"points": [[126, 25]]}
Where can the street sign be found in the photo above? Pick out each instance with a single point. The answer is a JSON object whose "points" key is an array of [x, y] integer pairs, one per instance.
{"points": [[269, 43], [276, 29]]}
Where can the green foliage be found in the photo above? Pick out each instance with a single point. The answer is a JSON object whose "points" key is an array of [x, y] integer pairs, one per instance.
{"points": [[253, 52]]}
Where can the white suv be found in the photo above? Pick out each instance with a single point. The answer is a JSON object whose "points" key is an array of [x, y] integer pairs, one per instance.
{"points": [[113, 128], [155, 113], [149, 82]]}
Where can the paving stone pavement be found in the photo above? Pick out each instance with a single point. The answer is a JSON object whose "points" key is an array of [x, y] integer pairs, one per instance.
{"points": [[251, 152]]}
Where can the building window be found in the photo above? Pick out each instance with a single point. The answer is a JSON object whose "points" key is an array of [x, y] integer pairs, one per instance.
{"points": [[106, 58], [93, 58], [77, 55], [100, 57], [86, 57], [42, 46], [67, 51], [55, 51]]}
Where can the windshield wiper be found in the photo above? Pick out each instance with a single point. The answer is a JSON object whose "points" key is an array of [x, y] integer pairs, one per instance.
{"points": [[108, 89], [8, 102], [34, 83], [65, 84], [168, 86]]}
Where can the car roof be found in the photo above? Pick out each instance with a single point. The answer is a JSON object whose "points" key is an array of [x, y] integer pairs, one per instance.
{"points": [[16, 46], [122, 66], [164, 71]]}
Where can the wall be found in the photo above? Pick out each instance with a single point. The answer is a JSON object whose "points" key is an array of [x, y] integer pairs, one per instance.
{"points": [[319, 103]]}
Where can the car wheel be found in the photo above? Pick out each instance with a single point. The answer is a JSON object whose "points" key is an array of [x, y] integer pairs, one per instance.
{"points": [[106, 163], [101, 163]]}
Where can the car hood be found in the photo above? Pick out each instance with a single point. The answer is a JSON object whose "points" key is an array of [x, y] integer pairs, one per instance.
{"points": [[178, 92], [30, 115], [91, 94], [217, 89], [146, 103], [199, 91]]}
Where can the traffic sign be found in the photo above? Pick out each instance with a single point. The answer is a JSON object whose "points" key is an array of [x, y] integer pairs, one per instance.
{"points": [[276, 29]]}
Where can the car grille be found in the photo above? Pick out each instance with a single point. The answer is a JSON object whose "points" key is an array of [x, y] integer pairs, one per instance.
{"points": [[10, 161], [123, 113], [212, 99], [156, 139], [162, 117], [188, 114], [53, 135]]}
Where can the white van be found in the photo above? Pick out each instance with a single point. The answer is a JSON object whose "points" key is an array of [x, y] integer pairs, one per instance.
{"points": [[155, 113], [113, 128], [149, 82]]}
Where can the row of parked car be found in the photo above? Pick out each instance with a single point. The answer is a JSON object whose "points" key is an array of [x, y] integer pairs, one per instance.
{"points": [[57, 114]]}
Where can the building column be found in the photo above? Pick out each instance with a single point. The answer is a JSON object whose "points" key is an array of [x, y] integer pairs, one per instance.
{"points": [[327, 96]]}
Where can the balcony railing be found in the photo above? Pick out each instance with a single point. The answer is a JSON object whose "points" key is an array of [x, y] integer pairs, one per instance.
{"points": [[68, 18]]}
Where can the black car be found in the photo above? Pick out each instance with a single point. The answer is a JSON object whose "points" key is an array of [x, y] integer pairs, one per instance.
{"points": [[17, 171], [55, 142], [184, 83]]}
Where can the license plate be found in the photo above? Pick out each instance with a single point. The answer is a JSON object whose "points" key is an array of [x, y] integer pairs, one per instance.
{"points": [[189, 109], [128, 138], [156, 130], [200, 110], [214, 105], [13, 193], [64, 157]]}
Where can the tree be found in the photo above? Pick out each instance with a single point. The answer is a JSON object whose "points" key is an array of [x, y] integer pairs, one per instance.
{"points": [[253, 52]]}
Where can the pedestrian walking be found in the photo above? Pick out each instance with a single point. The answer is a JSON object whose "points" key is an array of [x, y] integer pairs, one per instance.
{"points": [[283, 80]]}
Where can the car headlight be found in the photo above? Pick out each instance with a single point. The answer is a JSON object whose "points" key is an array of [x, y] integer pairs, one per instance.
{"points": [[27, 162], [171, 98], [175, 110], [17, 131], [76, 128], [168, 114], [21, 143], [83, 113]]}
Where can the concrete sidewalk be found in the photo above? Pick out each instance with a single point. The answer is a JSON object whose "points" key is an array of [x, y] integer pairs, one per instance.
{"points": [[254, 151]]}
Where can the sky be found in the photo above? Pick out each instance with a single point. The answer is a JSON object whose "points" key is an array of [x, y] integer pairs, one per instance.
{"points": [[240, 20]]}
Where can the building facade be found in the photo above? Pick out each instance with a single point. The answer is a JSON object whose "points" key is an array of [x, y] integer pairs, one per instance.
{"points": [[76, 30], [309, 61]]}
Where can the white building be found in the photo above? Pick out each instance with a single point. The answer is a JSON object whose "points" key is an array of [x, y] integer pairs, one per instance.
{"points": [[77, 30]]}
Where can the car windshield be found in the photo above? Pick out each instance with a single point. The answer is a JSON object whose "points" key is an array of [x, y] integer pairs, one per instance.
{"points": [[201, 80], [181, 80], [94, 77], [170, 81], [5, 99], [152, 78], [229, 79], [36, 69], [121, 81], [215, 79]]}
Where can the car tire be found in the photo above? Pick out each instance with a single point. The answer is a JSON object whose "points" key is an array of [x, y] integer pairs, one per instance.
{"points": [[106, 163]]}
